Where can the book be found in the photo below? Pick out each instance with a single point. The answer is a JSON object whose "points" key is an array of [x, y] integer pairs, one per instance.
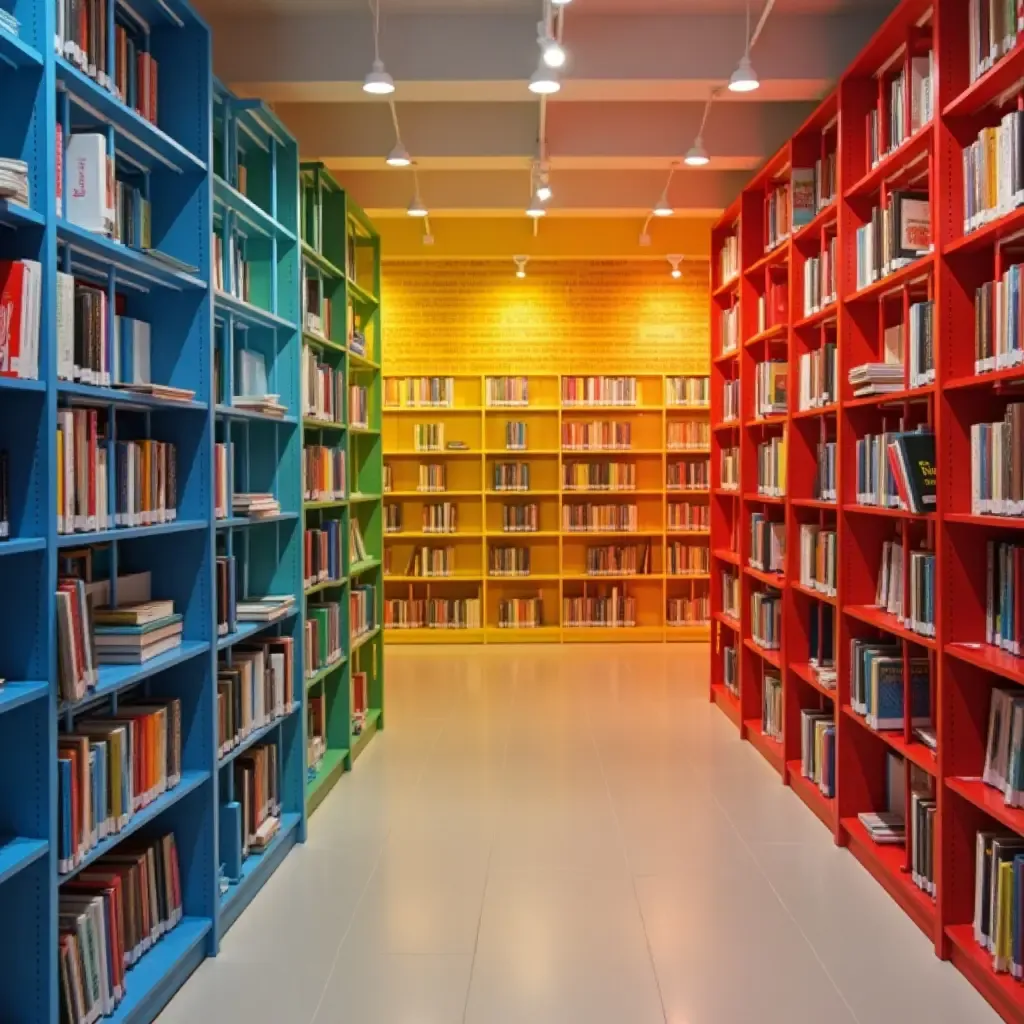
{"points": [[804, 207], [20, 311], [89, 202]]}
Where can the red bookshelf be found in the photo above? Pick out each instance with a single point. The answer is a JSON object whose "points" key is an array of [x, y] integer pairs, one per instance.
{"points": [[963, 670]]}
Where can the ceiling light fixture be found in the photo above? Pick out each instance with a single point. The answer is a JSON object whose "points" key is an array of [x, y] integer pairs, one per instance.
{"points": [[417, 208], [378, 82], [552, 53], [399, 156], [561, 3], [674, 261], [520, 262], [744, 78], [536, 207], [697, 155], [662, 207], [541, 183], [544, 81]]}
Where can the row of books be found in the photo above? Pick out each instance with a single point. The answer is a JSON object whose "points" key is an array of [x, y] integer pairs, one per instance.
{"points": [[362, 609], [993, 28], [770, 388], [818, 749], [587, 517], [998, 323], [689, 475], [428, 437], [508, 561], [618, 560], [415, 392], [599, 476], [102, 484], [358, 406], [818, 558], [731, 671], [819, 377], [316, 731], [432, 477], [521, 613], [825, 472], [773, 305], [322, 553], [1004, 612], [577, 391], [688, 611], [729, 469], [324, 476], [440, 518], [994, 172], [911, 106], [877, 685], [317, 312], [323, 646], [923, 811], [597, 436], [1004, 748], [506, 391], [766, 619], [613, 609], [253, 817], [998, 910], [515, 436], [21, 290], [254, 689], [109, 918], [771, 705], [767, 544], [688, 392], [997, 465], [511, 476], [323, 389], [433, 613], [687, 559], [730, 401], [897, 470], [820, 279], [431, 561], [230, 269], [689, 434], [921, 347], [777, 217], [729, 259], [771, 467], [520, 518], [897, 234], [729, 329], [917, 610], [393, 518], [109, 769], [687, 515]]}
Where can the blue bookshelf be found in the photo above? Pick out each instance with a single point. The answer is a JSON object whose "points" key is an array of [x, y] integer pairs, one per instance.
{"points": [[208, 164], [256, 316]]}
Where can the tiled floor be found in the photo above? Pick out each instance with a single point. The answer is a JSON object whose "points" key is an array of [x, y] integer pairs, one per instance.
{"points": [[568, 835]]}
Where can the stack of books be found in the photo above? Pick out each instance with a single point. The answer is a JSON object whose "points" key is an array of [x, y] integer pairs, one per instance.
{"points": [[265, 609], [133, 634], [13, 174], [885, 829], [268, 405], [255, 505], [876, 379]]}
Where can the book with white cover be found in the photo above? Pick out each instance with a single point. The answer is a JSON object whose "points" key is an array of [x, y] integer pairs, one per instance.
{"points": [[90, 189]]}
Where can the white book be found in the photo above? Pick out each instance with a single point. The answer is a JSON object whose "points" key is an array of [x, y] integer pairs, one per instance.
{"points": [[89, 189]]}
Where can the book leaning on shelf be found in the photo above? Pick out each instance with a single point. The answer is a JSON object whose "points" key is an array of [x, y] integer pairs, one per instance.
{"points": [[773, 306], [393, 518], [1004, 748], [690, 475], [877, 685], [619, 560], [230, 269], [820, 279], [356, 545], [730, 592], [20, 308], [1004, 612], [998, 308], [358, 406], [770, 389], [686, 516], [729, 259], [430, 561], [111, 767], [108, 918]]}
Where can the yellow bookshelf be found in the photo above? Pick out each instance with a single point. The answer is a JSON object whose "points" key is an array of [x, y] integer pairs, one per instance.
{"points": [[483, 414]]}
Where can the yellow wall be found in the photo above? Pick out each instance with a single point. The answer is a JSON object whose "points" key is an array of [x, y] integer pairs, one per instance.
{"points": [[462, 316]]}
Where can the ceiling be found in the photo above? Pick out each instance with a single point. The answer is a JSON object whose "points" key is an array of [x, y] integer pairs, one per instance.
{"points": [[633, 94]]}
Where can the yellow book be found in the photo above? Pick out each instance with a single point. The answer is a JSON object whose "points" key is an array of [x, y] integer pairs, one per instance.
{"points": [[1004, 918]]}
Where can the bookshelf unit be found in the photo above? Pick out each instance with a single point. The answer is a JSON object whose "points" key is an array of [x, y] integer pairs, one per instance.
{"points": [[558, 567], [963, 670], [342, 337], [256, 319]]}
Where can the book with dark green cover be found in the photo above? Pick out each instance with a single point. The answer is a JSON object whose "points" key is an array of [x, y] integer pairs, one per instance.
{"points": [[916, 454]]}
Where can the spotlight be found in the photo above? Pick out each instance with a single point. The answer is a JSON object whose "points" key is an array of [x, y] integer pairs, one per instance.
{"points": [[520, 262], [535, 209], [662, 208], [552, 53], [417, 207], [544, 81], [560, 3], [378, 82], [744, 78], [674, 261], [544, 193], [697, 156], [399, 156]]}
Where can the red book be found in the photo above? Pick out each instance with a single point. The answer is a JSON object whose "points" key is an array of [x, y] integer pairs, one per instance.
{"points": [[780, 304], [152, 89], [12, 306]]}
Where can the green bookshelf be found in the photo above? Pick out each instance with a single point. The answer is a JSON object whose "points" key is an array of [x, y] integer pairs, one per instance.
{"points": [[341, 429]]}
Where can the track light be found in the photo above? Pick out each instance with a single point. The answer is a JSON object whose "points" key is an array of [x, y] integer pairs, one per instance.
{"points": [[552, 53], [417, 208], [744, 78], [544, 81], [543, 185], [697, 155], [662, 207], [674, 261], [378, 82], [536, 207], [520, 262], [399, 156], [544, 193]]}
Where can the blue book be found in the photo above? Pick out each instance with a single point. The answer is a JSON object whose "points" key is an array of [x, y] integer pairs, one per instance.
{"points": [[231, 839], [66, 849], [885, 693], [920, 692]]}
